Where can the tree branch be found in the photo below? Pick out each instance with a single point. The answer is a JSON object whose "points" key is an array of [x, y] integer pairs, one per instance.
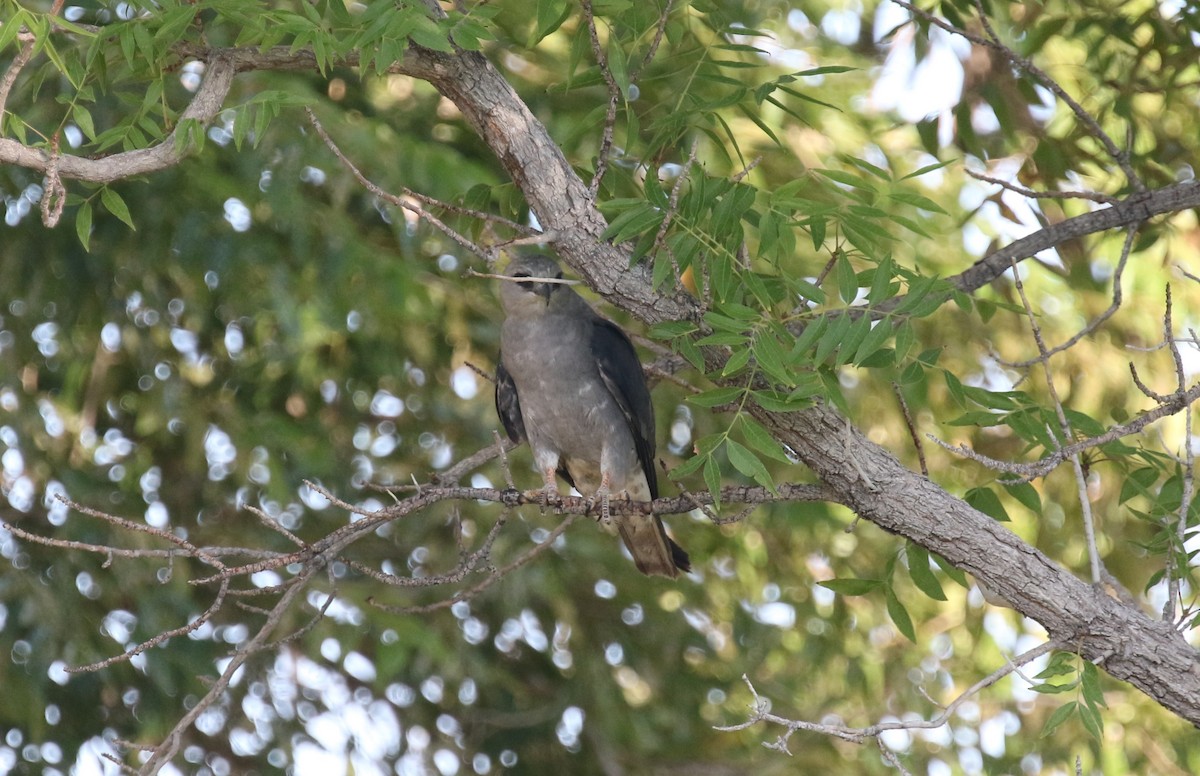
{"points": [[207, 102]]}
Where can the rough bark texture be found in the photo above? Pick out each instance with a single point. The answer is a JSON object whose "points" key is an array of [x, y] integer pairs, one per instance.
{"points": [[1130, 645], [207, 102], [1148, 653]]}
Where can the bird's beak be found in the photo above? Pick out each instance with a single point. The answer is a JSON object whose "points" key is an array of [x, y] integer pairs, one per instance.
{"points": [[544, 290]]}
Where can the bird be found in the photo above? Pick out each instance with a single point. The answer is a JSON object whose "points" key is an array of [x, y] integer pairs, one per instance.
{"points": [[569, 382]]}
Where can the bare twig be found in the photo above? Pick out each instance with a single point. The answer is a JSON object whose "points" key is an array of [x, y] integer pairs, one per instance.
{"points": [[409, 201], [1085, 504], [660, 29], [614, 98], [1093, 196], [22, 59], [1170, 405], [673, 208], [1130, 234], [511, 279], [992, 41], [759, 708], [912, 428], [493, 578], [1173, 581]]}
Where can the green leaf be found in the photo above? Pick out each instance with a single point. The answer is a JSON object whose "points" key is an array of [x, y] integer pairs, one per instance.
{"points": [[770, 356], [618, 67], [633, 222], [917, 201], [847, 179], [723, 338], [114, 204], [761, 440], [854, 337], [1054, 689], [689, 351], [689, 466], [900, 616], [1138, 483], [716, 397], [1090, 686], [748, 464], [1092, 721], [803, 344], [927, 169], [83, 118], [955, 386], [905, 339], [852, 586], [83, 224], [1026, 494], [816, 227], [712, 479], [1060, 715], [832, 337], [866, 166], [847, 279], [879, 334], [922, 576], [427, 33], [772, 401], [881, 282], [955, 574], [988, 503], [1060, 664], [550, 16], [668, 330], [736, 362]]}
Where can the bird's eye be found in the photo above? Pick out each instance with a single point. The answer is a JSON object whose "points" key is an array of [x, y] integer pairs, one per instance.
{"points": [[558, 276], [521, 274]]}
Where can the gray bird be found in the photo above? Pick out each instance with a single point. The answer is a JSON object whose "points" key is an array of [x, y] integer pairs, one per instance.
{"points": [[569, 382]]}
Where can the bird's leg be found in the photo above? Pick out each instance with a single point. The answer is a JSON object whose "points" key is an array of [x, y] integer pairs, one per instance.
{"points": [[602, 493], [550, 488]]}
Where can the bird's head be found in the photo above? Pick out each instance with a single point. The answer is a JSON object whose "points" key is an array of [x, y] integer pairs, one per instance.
{"points": [[534, 294]]}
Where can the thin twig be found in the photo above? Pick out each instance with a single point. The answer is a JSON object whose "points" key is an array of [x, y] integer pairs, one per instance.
{"points": [[410, 201], [510, 279], [614, 98], [759, 708], [1085, 504], [493, 578], [1170, 405], [660, 28], [912, 428], [1093, 196], [1173, 581], [992, 41], [1130, 233]]}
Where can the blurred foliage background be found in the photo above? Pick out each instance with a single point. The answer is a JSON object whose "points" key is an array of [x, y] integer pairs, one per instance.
{"points": [[269, 321]]}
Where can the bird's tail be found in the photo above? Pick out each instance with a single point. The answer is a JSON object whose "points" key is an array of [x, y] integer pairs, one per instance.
{"points": [[653, 551]]}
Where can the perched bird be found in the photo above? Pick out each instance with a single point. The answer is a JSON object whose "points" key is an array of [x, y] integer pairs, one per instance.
{"points": [[569, 382]]}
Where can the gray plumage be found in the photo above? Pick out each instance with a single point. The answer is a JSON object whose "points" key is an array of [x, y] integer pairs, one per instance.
{"points": [[569, 382]]}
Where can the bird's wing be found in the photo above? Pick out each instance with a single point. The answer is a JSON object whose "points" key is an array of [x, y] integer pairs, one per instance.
{"points": [[621, 371], [508, 405]]}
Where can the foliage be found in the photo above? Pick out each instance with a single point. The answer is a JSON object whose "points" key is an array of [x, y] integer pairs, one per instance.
{"points": [[212, 336]]}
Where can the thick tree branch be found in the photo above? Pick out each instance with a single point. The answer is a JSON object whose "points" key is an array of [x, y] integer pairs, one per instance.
{"points": [[1131, 210], [207, 102], [1149, 654]]}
